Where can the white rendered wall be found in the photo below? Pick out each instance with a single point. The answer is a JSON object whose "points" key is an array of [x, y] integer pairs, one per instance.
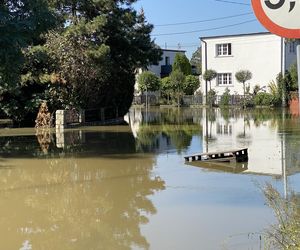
{"points": [[260, 53], [166, 53]]}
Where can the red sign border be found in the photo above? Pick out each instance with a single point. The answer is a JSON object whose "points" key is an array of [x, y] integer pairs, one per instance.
{"points": [[270, 25]]}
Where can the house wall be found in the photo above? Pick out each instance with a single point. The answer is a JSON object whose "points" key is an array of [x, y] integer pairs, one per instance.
{"points": [[166, 53], [258, 53]]}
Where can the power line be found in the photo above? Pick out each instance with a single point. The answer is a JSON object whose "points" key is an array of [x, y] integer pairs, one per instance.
{"points": [[205, 20], [208, 29], [232, 2]]}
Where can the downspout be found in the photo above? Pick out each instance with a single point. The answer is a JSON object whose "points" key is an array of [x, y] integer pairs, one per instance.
{"points": [[205, 67]]}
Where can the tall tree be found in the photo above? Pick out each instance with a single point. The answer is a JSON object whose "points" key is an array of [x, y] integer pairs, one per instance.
{"points": [[196, 60], [21, 24], [107, 40], [89, 59], [177, 79], [181, 63]]}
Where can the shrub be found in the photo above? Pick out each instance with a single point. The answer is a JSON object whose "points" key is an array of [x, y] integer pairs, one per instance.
{"points": [[263, 99], [211, 97], [225, 98]]}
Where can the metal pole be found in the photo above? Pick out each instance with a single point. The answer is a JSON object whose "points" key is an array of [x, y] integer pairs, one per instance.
{"points": [[205, 59], [283, 72], [298, 70]]}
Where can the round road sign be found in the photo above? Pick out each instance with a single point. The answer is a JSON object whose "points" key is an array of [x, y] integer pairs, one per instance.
{"points": [[281, 17]]}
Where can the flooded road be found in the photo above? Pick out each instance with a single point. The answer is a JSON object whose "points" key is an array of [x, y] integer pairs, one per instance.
{"points": [[128, 187]]}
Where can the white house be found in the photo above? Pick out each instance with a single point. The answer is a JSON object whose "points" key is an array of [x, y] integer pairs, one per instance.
{"points": [[164, 66], [264, 54]]}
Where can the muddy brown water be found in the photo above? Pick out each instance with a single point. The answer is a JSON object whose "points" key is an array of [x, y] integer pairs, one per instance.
{"points": [[128, 187]]}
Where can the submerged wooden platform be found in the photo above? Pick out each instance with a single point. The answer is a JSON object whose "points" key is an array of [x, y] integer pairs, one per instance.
{"points": [[229, 167], [234, 155]]}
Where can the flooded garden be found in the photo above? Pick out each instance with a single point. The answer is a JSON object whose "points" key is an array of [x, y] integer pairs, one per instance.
{"points": [[129, 187]]}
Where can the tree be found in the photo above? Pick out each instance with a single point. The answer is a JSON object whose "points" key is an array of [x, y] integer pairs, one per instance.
{"points": [[108, 41], [191, 84], [196, 60], [181, 63], [177, 81], [166, 88], [21, 25], [90, 63], [209, 75], [148, 81], [242, 76]]}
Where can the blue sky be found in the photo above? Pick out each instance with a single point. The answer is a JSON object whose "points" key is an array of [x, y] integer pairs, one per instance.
{"points": [[161, 12]]}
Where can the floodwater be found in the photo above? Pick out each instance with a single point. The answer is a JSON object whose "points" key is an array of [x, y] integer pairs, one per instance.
{"points": [[128, 187]]}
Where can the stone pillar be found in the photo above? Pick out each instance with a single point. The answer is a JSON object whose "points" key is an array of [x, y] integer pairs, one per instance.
{"points": [[60, 125]]}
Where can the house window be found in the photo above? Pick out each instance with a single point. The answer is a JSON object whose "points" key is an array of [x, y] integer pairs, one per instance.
{"points": [[223, 49], [167, 60], [224, 79]]}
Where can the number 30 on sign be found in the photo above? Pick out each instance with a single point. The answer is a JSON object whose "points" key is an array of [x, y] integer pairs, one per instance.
{"points": [[281, 17]]}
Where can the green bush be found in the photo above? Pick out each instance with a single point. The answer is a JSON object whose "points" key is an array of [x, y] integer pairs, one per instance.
{"points": [[264, 99], [225, 98], [211, 97]]}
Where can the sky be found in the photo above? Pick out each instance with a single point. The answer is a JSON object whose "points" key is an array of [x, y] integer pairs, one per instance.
{"points": [[225, 17]]}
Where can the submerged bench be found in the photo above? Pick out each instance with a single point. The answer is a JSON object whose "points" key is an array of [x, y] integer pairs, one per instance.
{"points": [[236, 155]]}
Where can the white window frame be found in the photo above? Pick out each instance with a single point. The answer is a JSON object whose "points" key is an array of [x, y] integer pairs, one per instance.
{"points": [[224, 79], [223, 49]]}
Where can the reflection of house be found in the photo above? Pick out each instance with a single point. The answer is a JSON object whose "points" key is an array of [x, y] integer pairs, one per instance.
{"points": [[264, 54], [269, 152]]}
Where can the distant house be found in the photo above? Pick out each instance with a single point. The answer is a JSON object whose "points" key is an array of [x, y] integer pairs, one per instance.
{"points": [[264, 54], [164, 67]]}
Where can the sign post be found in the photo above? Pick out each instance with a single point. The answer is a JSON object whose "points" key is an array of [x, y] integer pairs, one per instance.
{"points": [[298, 70], [281, 17]]}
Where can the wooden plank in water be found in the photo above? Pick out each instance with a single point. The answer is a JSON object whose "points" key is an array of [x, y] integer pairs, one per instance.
{"points": [[238, 155]]}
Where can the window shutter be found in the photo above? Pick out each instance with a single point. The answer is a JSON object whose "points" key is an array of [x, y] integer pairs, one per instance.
{"points": [[229, 48]]}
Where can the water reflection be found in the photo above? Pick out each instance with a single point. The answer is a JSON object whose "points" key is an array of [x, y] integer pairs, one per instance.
{"points": [[80, 194], [162, 130], [271, 135], [93, 188]]}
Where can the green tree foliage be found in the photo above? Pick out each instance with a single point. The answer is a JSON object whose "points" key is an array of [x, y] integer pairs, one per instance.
{"points": [[166, 88], [181, 63], [21, 26], [191, 84], [263, 99], [148, 81], [243, 76], [196, 60], [177, 79], [209, 75], [211, 97], [21, 23], [88, 63], [225, 98], [293, 86]]}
